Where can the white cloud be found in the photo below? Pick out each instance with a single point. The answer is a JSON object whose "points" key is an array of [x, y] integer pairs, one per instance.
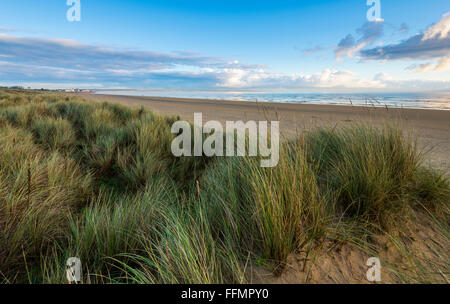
{"points": [[439, 30], [328, 78], [348, 46], [441, 65], [383, 77], [25, 60], [433, 43]]}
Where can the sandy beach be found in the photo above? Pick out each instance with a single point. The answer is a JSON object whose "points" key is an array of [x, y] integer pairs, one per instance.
{"points": [[431, 127]]}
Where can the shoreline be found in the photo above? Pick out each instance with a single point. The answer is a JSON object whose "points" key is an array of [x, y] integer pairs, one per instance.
{"points": [[269, 104], [431, 127], [348, 104]]}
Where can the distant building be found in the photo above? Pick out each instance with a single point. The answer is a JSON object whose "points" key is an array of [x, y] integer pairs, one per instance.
{"points": [[76, 91]]}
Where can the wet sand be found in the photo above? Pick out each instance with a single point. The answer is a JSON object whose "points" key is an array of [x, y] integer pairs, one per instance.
{"points": [[431, 127]]}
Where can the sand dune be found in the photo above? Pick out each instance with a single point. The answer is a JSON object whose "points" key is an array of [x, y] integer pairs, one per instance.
{"points": [[432, 127]]}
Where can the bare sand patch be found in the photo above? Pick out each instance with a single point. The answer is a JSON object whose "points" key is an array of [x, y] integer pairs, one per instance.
{"points": [[416, 255]]}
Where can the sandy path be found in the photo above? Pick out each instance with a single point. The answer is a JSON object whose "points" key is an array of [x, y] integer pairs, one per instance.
{"points": [[432, 127]]}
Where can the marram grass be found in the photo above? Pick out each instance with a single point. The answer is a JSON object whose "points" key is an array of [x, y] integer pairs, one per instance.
{"points": [[98, 181]]}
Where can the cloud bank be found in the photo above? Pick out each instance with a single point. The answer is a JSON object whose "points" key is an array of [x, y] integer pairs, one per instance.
{"points": [[431, 44], [349, 46], [28, 59], [58, 63]]}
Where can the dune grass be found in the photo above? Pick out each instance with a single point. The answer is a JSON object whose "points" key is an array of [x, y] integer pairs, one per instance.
{"points": [[376, 174], [98, 181]]}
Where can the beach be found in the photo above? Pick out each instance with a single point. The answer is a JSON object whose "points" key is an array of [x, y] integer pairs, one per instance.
{"points": [[430, 127]]}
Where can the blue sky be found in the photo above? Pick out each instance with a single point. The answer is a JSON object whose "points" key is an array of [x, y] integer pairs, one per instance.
{"points": [[311, 46]]}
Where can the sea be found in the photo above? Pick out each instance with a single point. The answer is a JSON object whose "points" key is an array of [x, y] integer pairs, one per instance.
{"points": [[439, 101]]}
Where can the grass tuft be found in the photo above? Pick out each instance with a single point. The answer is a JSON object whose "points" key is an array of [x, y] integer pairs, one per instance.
{"points": [[98, 181]]}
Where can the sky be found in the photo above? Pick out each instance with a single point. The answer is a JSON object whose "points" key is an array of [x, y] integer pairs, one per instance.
{"points": [[232, 45]]}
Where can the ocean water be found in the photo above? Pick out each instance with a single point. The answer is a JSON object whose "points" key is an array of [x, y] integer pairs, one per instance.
{"points": [[439, 101]]}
